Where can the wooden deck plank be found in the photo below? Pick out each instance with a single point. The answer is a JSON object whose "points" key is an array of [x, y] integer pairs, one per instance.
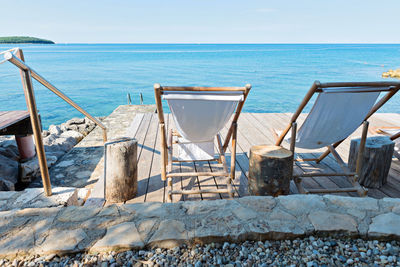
{"points": [[146, 139], [8, 118], [156, 186]]}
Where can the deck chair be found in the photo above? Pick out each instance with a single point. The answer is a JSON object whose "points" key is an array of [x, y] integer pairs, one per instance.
{"points": [[199, 114], [394, 133], [338, 111]]}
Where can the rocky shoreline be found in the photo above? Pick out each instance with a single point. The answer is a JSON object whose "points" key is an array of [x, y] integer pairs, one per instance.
{"points": [[310, 251], [392, 74], [58, 140]]}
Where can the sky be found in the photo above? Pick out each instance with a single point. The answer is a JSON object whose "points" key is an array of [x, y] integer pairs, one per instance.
{"points": [[203, 21]]}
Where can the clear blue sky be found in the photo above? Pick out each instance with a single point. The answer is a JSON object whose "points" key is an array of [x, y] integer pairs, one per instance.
{"points": [[203, 21]]}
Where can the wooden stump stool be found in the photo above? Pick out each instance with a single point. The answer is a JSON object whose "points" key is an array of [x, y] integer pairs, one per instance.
{"points": [[271, 169], [120, 170], [376, 160]]}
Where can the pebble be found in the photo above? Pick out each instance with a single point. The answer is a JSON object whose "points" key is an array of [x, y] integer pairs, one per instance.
{"points": [[310, 252]]}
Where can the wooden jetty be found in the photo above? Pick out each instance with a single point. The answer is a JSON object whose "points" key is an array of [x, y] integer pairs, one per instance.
{"points": [[253, 129]]}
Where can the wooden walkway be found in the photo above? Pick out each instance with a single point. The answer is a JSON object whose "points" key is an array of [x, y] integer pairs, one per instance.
{"points": [[14, 122], [253, 128]]}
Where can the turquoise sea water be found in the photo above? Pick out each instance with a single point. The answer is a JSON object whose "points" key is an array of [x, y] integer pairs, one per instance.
{"points": [[99, 76]]}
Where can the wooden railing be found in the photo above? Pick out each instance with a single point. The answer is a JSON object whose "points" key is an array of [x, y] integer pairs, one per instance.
{"points": [[16, 57]]}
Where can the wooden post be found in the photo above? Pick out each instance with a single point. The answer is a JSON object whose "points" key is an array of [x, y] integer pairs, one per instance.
{"points": [[164, 154], [374, 164], [270, 170], [120, 170], [293, 137], [37, 131]]}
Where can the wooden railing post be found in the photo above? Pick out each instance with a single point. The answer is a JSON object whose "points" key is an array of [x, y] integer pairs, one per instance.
{"points": [[37, 132]]}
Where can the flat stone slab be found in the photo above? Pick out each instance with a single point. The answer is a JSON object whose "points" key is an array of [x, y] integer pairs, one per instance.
{"points": [[121, 236], [385, 225], [63, 230], [35, 198]]}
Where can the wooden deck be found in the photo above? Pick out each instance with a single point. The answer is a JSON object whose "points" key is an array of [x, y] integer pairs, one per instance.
{"points": [[253, 128], [14, 122]]}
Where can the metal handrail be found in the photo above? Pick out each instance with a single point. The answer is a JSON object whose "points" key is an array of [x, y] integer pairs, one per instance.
{"points": [[20, 64]]}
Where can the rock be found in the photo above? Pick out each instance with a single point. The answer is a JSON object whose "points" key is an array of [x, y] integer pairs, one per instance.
{"points": [[65, 163], [77, 214], [170, 233], [61, 196], [352, 203], [83, 194], [391, 74], [48, 140], [257, 203], [10, 152], [5, 195], [61, 241], [59, 143], [385, 225], [145, 227], [75, 121], [152, 209], [74, 134], [299, 205], [280, 215], [27, 195], [120, 236], [55, 130], [387, 204], [396, 210], [8, 172], [45, 133], [31, 168], [17, 242], [111, 210], [324, 221]]}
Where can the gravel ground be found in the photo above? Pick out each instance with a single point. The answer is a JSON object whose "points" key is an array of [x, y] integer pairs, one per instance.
{"points": [[299, 252]]}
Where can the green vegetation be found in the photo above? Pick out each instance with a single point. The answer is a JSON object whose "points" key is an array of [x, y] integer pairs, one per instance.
{"points": [[23, 40]]}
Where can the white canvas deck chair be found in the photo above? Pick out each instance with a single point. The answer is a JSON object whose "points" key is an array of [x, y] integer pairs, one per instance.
{"points": [[394, 133], [199, 114], [338, 111]]}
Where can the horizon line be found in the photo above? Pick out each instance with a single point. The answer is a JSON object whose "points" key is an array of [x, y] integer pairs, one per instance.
{"points": [[196, 43]]}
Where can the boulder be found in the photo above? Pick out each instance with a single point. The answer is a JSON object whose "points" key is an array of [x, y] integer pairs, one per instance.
{"points": [[75, 121], [48, 140], [53, 143], [8, 173], [74, 134], [31, 168], [55, 129], [45, 133], [10, 152]]}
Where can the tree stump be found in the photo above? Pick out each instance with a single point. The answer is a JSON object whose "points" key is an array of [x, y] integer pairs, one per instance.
{"points": [[271, 169], [121, 170], [375, 162]]}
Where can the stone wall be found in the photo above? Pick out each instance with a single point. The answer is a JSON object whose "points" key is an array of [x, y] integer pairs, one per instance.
{"points": [[133, 226]]}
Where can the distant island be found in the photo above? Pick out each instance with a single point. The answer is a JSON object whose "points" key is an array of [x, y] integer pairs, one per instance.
{"points": [[24, 40]]}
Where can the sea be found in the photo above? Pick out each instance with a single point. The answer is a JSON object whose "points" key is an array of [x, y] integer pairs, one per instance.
{"points": [[100, 76]]}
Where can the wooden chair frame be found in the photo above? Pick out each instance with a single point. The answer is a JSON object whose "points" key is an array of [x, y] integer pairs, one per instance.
{"points": [[166, 147], [390, 87]]}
